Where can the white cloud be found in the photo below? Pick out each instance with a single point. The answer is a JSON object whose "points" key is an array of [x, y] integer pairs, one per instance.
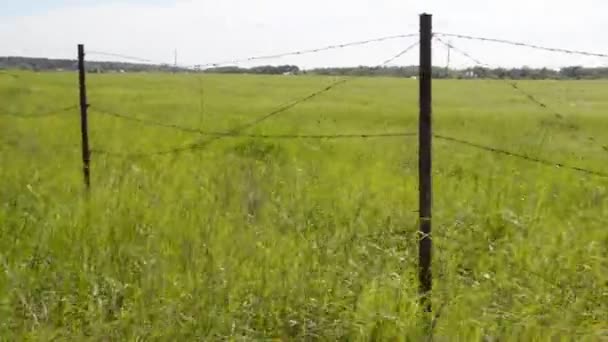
{"points": [[205, 31]]}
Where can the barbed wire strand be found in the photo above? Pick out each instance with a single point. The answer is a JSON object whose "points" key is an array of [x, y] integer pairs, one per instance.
{"points": [[236, 130], [528, 45], [521, 156], [127, 57], [291, 105], [395, 57], [54, 112]]}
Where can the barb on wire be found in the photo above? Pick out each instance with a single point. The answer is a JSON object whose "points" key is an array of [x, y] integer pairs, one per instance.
{"points": [[521, 156], [118, 55], [532, 46], [307, 51], [53, 112]]}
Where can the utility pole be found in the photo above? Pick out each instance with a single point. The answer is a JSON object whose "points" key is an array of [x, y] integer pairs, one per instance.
{"points": [[175, 60]]}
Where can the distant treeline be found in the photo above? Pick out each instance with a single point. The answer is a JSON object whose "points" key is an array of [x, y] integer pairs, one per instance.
{"points": [[48, 64], [571, 72]]}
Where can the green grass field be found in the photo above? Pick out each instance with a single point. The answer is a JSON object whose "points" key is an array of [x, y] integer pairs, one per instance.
{"points": [[300, 239]]}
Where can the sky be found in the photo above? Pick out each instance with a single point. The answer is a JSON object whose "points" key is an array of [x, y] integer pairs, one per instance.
{"points": [[206, 31]]}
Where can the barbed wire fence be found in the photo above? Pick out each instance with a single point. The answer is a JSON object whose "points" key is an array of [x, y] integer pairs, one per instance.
{"points": [[520, 44], [239, 131]]}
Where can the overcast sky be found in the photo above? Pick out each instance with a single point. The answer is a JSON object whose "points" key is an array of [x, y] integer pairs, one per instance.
{"points": [[206, 31]]}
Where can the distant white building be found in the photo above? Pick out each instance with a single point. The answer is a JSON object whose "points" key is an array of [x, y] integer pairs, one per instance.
{"points": [[470, 74]]}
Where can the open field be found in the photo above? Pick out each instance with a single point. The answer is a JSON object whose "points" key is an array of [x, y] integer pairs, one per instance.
{"points": [[300, 239]]}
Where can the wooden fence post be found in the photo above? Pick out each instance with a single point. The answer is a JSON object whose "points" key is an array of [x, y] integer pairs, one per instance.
{"points": [[425, 162], [84, 126]]}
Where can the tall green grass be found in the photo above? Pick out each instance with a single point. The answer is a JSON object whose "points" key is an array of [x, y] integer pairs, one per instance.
{"points": [[300, 239]]}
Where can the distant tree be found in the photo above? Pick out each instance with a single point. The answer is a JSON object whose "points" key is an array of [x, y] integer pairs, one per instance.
{"points": [[570, 72]]}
